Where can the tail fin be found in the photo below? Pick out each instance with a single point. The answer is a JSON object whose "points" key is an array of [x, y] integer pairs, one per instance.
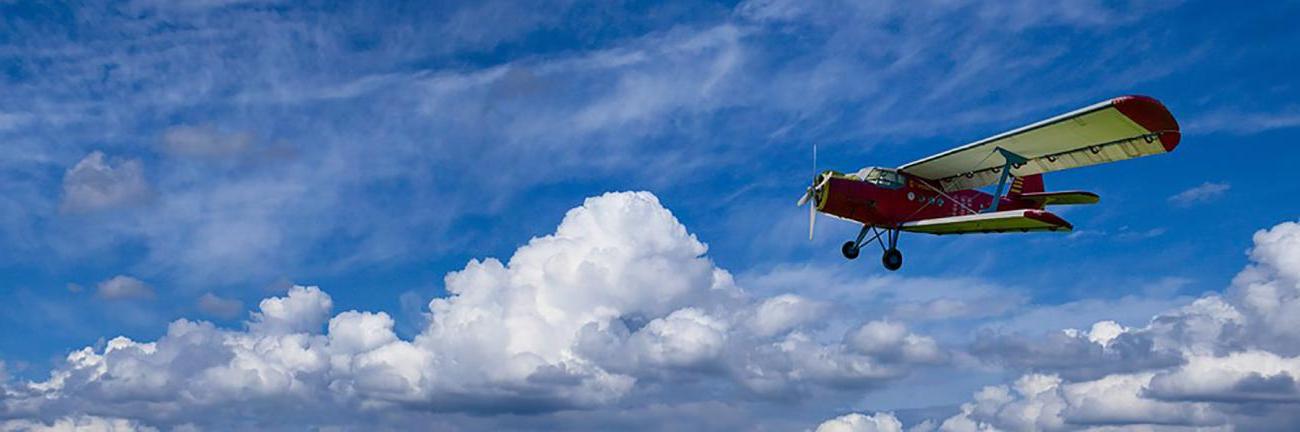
{"points": [[1026, 185]]}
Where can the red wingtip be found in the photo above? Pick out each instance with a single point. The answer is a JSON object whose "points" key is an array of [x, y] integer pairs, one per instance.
{"points": [[1049, 218], [1152, 115]]}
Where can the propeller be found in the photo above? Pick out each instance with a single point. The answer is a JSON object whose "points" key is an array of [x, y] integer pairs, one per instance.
{"points": [[819, 181]]}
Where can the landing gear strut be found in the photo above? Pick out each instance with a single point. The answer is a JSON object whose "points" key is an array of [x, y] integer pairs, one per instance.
{"points": [[892, 258]]}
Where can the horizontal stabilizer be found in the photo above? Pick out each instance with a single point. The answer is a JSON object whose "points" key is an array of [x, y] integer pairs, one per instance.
{"points": [[997, 222], [1062, 197]]}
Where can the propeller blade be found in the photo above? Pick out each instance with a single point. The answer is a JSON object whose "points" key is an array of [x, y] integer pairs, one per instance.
{"points": [[810, 195], [813, 190], [804, 199], [812, 220]]}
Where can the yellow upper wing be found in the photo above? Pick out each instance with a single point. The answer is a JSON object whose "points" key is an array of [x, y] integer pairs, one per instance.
{"points": [[1118, 129]]}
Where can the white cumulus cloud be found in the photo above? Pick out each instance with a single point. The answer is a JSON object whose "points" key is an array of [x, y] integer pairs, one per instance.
{"points": [[76, 424], [854, 422], [619, 295], [1223, 362]]}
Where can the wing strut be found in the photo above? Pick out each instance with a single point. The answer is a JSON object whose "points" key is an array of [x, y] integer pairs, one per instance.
{"points": [[939, 191], [1012, 159]]}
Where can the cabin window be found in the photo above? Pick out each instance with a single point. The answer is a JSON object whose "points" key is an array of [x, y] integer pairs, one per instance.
{"points": [[884, 178]]}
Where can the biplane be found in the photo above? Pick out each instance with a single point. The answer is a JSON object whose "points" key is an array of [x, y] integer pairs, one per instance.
{"points": [[940, 194]]}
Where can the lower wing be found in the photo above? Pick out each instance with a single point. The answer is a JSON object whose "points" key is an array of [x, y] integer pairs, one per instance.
{"points": [[997, 222]]}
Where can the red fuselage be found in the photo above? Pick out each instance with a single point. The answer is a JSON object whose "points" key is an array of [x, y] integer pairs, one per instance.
{"points": [[872, 204]]}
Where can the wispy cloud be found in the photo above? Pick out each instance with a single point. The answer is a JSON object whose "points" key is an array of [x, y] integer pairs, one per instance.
{"points": [[123, 287], [98, 182], [1123, 233], [1244, 123], [1206, 192], [214, 305], [203, 141], [385, 143]]}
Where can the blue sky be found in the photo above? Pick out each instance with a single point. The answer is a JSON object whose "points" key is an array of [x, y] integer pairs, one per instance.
{"points": [[216, 153]]}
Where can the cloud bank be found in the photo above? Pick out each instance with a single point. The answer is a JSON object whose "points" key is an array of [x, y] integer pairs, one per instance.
{"points": [[617, 300], [621, 304], [1223, 362]]}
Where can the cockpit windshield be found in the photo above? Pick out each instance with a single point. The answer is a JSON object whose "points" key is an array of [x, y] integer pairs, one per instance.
{"points": [[883, 177]]}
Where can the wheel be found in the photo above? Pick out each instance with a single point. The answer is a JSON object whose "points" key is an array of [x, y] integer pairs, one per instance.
{"points": [[893, 259], [849, 250]]}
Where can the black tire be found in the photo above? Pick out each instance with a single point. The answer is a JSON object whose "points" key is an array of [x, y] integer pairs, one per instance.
{"points": [[892, 259], [849, 250]]}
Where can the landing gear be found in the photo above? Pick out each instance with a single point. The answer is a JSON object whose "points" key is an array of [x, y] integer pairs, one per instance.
{"points": [[892, 259], [850, 249]]}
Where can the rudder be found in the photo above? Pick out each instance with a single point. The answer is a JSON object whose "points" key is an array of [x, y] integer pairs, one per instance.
{"points": [[1025, 185]]}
